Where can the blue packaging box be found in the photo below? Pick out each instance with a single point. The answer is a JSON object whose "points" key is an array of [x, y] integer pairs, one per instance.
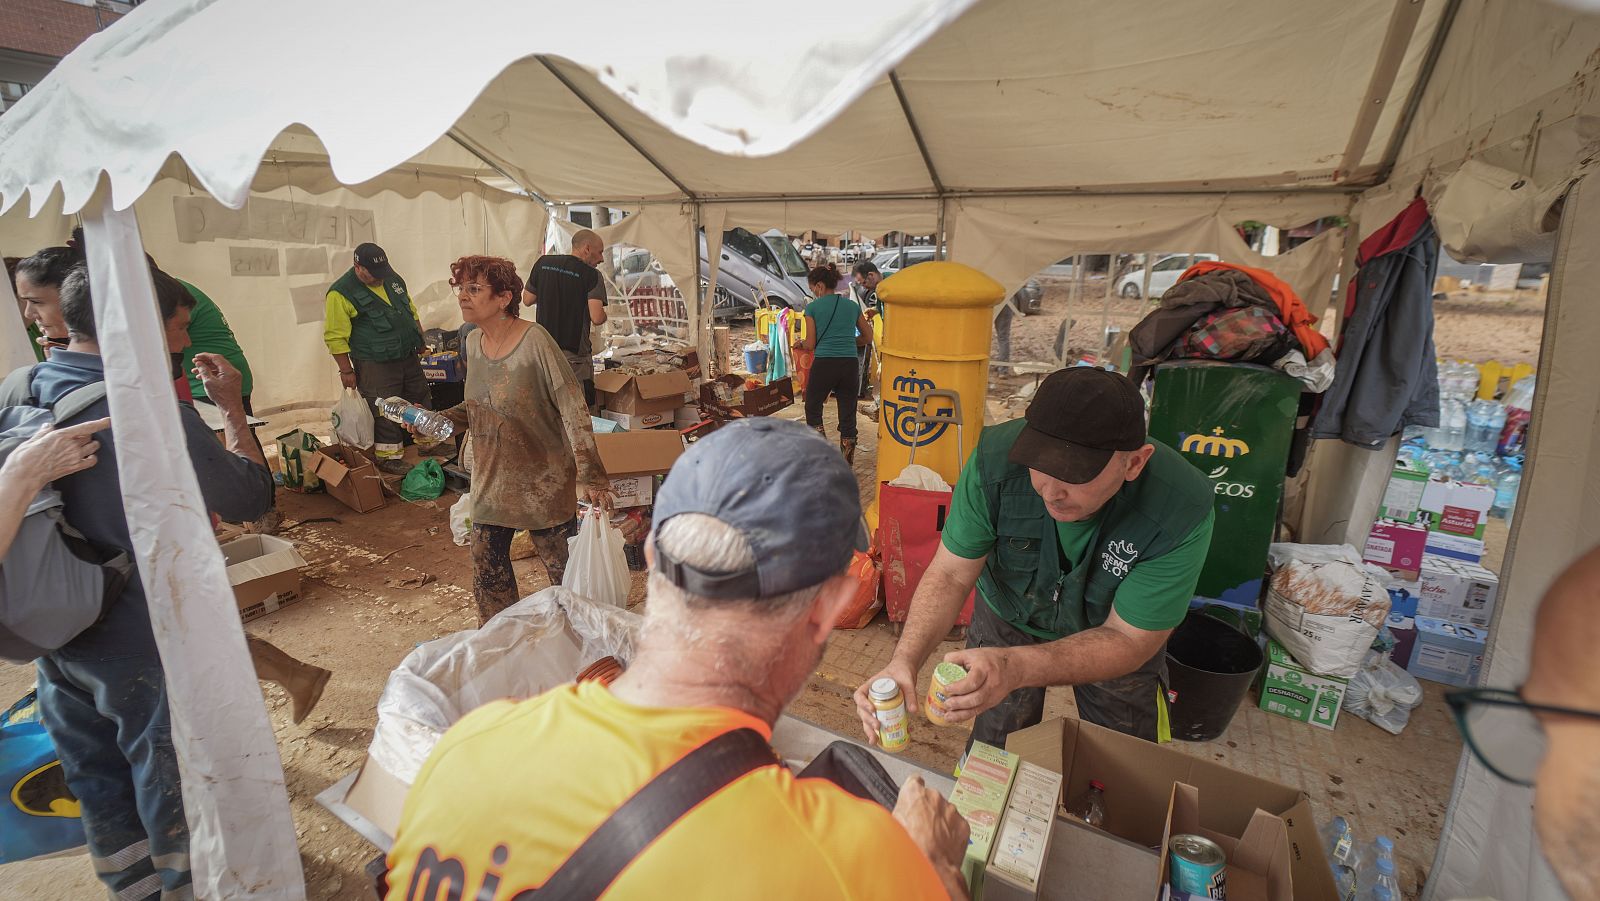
{"points": [[1447, 652]]}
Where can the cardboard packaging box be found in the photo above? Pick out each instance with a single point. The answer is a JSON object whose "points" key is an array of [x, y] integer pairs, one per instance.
{"points": [[605, 426], [633, 459], [264, 571], [762, 401], [660, 392], [686, 416], [1455, 547], [1402, 499], [1118, 862], [1290, 690], [980, 796], [1258, 867], [1396, 547], [1446, 652], [1457, 508], [636, 422], [445, 366], [1023, 843], [349, 475], [1458, 591]]}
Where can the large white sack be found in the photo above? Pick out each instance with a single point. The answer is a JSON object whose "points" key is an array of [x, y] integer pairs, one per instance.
{"points": [[1325, 605]]}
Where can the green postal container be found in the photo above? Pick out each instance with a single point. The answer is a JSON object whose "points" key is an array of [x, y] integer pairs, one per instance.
{"points": [[1234, 422]]}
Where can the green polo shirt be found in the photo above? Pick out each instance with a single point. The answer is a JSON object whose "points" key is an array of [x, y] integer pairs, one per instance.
{"points": [[1156, 593]]}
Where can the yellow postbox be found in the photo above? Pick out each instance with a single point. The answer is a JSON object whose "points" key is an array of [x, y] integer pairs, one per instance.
{"points": [[938, 319]]}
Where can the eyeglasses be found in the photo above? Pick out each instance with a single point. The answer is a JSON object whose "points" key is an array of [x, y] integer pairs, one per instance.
{"points": [[1503, 729], [471, 289]]}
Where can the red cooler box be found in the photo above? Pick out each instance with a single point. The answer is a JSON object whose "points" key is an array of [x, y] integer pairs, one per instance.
{"points": [[909, 523]]}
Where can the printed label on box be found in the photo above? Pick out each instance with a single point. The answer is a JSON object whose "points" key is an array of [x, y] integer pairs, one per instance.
{"points": [[1458, 520], [1447, 661]]}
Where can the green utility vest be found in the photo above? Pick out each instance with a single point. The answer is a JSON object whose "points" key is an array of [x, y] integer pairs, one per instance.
{"points": [[1022, 580], [381, 332]]}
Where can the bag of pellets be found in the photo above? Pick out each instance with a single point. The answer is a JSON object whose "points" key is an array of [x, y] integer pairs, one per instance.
{"points": [[1325, 605]]}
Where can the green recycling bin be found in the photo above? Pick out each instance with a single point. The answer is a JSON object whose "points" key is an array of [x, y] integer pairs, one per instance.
{"points": [[1234, 422]]}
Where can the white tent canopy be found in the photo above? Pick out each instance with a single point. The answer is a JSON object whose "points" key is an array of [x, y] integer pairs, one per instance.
{"points": [[1021, 131]]}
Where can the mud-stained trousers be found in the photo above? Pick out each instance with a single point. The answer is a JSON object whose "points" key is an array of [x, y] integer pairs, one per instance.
{"points": [[1134, 704], [494, 584]]}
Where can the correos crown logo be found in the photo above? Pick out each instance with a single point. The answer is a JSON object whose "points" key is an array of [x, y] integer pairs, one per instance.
{"points": [[1215, 445]]}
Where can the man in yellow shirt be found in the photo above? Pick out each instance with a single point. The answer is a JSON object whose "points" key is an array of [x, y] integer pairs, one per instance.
{"points": [[372, 330], [754, 529]]}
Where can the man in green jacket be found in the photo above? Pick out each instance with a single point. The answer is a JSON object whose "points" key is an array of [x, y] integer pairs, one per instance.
{"points": [[372, 331], [1085, 541]]}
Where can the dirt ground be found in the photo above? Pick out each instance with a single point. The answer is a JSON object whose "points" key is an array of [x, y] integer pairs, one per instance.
{"points": [[355, 620]]}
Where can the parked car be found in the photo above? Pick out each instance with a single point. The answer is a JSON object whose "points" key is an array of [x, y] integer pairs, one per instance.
{"points": [[638, 269], [1029, 299], [1163, 275], [755, 269]]}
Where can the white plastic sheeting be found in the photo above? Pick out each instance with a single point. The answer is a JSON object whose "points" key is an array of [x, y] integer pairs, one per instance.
{"points": [[242, 840]]}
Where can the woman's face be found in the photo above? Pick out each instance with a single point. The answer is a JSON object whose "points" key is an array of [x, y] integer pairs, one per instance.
{"points": [[41, 304], [479, 303]]}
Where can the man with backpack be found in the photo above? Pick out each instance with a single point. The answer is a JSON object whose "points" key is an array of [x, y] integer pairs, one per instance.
{"points": [[103, 693]]}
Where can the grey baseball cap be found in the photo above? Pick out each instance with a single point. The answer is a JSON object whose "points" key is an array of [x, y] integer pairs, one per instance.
{"points": [[784, 488]]}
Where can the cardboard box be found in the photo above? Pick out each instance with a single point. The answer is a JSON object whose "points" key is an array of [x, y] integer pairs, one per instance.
{"points": [[264, 571], [1446, 652], [605, 426], [632, 460], [1457, 508], [1396, 547], [1455, 547], [1402, 499], [1290, 690], [1139, 777], [635, 422], [349, 475], [660, 392], [1258, 867], [762, 401], [980, 796], [686, 416], [1023, 843], [1458, 591], [445, 366]]}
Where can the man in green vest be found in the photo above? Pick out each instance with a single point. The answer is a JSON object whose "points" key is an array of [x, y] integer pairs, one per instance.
{"points": [[1085, 541], [372, 330]]}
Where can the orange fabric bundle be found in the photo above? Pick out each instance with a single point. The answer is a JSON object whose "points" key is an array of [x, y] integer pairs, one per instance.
{"points": [[865, 604]]}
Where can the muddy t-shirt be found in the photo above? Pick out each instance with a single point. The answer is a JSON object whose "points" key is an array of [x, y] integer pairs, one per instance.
{"points": [[532, 442]]}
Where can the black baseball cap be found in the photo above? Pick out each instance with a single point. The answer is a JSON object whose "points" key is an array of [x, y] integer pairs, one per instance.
{"points": [[780, 485], [1079, 417], [371, 257]]}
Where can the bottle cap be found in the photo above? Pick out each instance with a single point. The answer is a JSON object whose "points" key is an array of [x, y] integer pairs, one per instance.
{"points": [[1386, 866], [1096, 783], [1385, 842], [885, 689]]}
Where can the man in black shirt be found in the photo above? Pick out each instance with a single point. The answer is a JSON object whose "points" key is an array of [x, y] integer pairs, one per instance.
{"points": [[569, 296]]}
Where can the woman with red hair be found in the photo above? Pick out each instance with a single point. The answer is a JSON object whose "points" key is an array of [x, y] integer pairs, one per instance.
{"points": [[532, 443]]}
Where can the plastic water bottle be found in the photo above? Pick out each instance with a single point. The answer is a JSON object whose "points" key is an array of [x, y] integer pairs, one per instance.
{"points": [[1380, 893], [426, 422], [1339, 845], [1505, 491], [1380, 848], [1375, 876], [1497, 424], [1091, 805], [1519, 403], [1482, 436], [1455, 427]]}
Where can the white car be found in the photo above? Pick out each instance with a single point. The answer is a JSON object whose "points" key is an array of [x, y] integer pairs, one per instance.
{"points": [[1163, 275]]}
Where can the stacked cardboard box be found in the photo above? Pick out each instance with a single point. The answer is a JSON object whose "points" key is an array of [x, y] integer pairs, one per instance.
{"points": [[1289, 689]]}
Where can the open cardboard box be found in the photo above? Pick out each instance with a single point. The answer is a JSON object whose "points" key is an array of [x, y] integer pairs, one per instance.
{"points": [[632, 460], [349, 475], [1139, 777], [264, 571], [660, 392], [1258, 861], [761, 401]]}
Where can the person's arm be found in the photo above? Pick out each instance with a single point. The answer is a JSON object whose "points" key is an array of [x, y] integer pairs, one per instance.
{"points": [[809, 342], [336, 319], [235, 484], [50, 454], [938, 829], [597, 301], [863, 330], [223, 384], [1149, 604], [528, 297]]}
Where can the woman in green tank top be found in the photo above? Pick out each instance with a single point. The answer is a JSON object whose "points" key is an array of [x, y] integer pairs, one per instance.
{"points": [[835, 327]]}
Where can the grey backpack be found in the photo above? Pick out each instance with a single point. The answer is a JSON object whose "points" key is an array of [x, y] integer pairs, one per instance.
{"points": [[54, 582]]}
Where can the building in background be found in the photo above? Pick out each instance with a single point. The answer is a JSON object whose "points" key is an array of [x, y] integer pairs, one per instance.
{"points": [[36, 34]]}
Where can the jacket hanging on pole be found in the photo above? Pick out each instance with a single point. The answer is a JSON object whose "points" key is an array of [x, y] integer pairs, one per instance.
{"points": [[1387, 377]]}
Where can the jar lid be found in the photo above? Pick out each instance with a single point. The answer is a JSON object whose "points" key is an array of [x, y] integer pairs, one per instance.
{"points": [[948, 672], [885, 689]]}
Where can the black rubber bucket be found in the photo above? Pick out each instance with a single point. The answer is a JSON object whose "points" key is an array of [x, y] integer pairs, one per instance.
{"points": [[1210, 666]]}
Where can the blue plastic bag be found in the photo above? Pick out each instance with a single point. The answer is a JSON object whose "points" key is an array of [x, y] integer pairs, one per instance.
{"points": [[38, 813]]}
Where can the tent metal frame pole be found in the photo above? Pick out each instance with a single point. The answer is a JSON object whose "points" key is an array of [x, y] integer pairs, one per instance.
{"points": [[1155, 191], [916, 131], [1391, 54], [483, 157], [1408, 115], [617, 128]]}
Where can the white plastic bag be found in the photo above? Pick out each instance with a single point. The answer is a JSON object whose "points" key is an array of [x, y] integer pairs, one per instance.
{"points": [[1383, 693], [461, 520], [352, 419], [597, 569], [1325, 605], [918, 476]]}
